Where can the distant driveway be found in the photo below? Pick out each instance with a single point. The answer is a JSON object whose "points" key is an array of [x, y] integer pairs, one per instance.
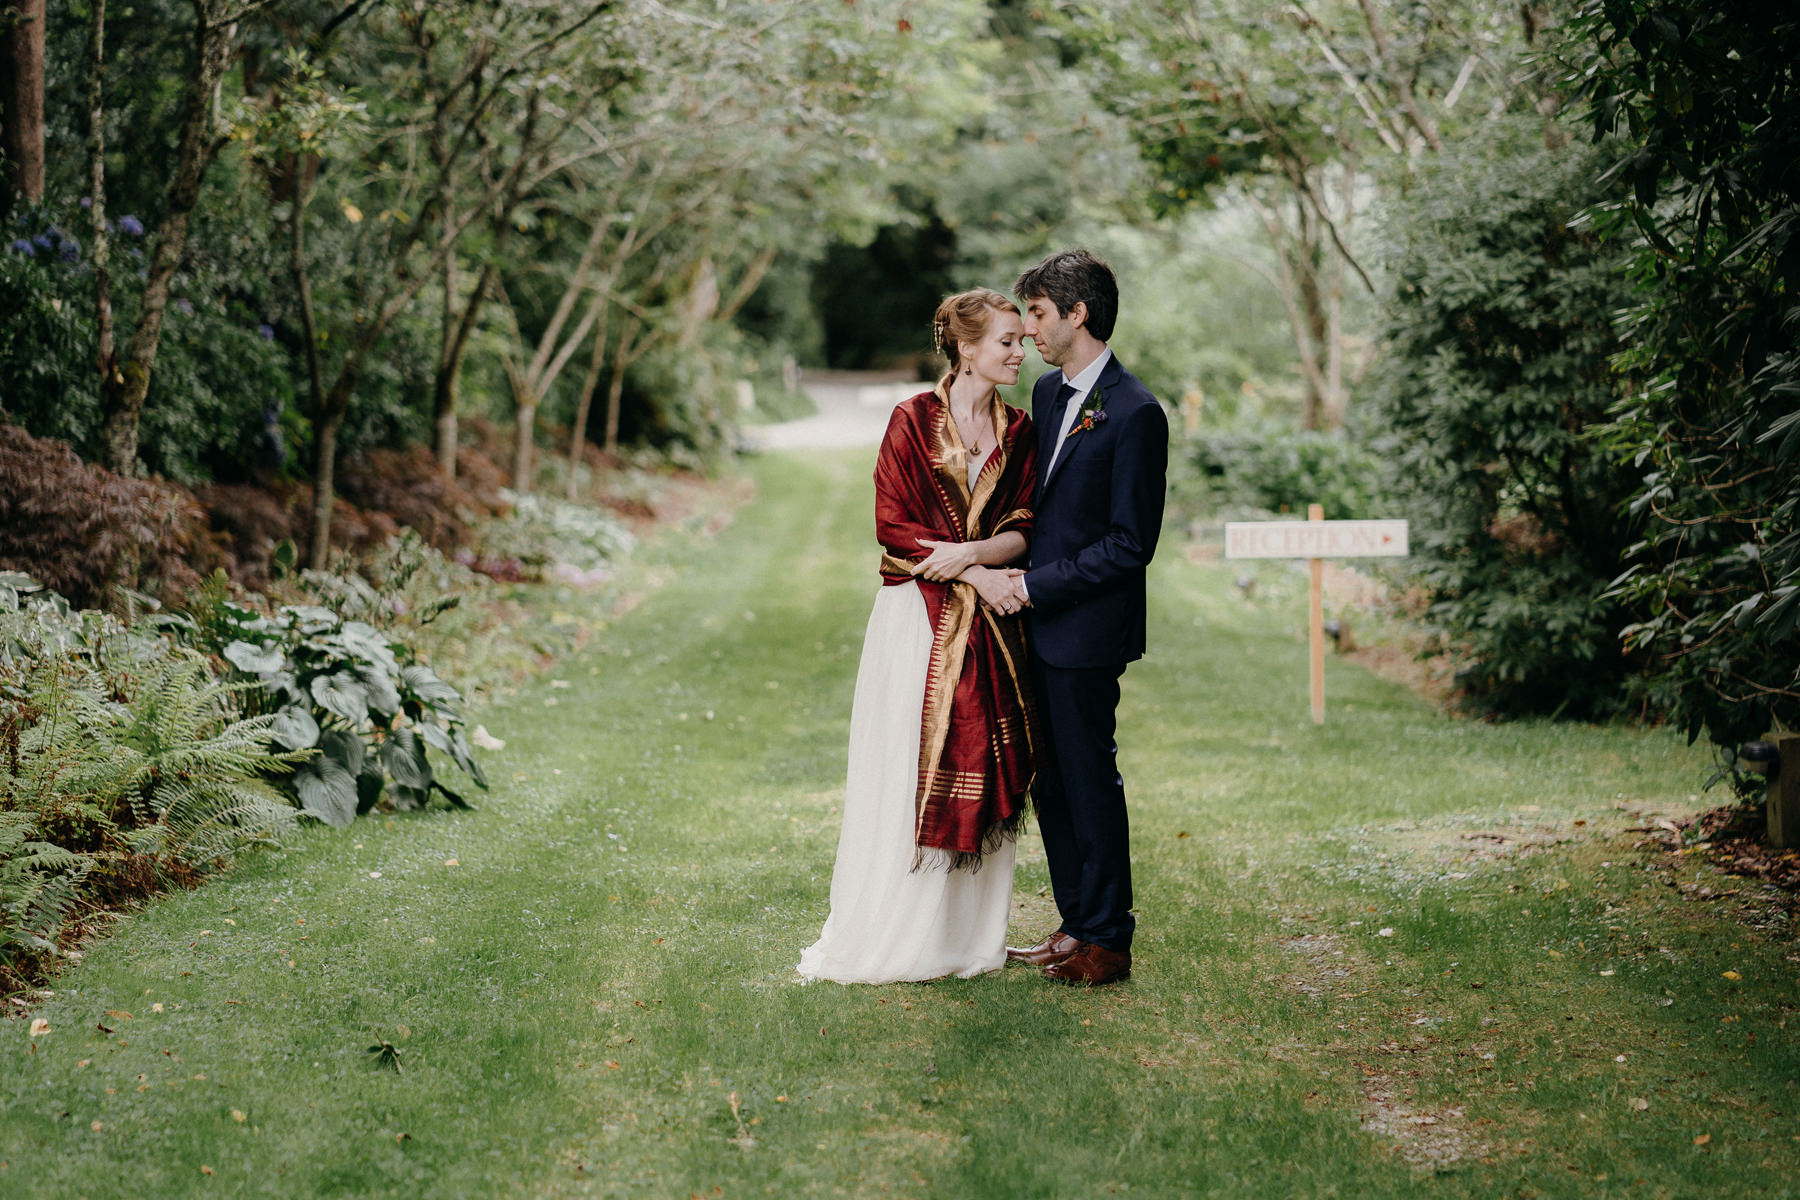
{"points": [[853, 411]]}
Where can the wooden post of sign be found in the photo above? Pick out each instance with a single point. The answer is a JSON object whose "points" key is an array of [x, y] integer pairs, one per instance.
{"points": [[1316, 616], [1783, 809]]}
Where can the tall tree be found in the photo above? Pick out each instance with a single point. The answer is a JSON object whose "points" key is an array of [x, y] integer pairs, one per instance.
{"points": [[1292, 110], [204, 132], [21, 103], [508, 107]]}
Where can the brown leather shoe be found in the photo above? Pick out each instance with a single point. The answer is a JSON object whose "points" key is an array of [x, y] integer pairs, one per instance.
{"points": [[1052, 949], [1091, 966]]}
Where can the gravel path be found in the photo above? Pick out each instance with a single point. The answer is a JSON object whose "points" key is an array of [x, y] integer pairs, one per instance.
{"points": [[853, 411]]}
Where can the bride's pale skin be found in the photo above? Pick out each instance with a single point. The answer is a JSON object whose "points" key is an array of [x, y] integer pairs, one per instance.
{"points": [[994, 362]]}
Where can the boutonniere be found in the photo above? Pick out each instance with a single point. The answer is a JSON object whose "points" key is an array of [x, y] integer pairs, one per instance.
{"points": [[1093, 411]]}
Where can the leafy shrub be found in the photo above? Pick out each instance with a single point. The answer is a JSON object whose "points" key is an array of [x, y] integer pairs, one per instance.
{"points": [[84, 531], [1498, 364], [543, 537], [1282, 470], [1701, 94], [124, 763], [223, 382], [408, 486], [267, 524], [340, 687]]}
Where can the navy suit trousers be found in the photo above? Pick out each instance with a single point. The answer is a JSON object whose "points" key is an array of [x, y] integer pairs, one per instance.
{"points": [[1081, 803]]}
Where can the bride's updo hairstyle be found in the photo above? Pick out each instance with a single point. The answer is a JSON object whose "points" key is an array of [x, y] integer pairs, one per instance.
{"points": [[965, 317]]}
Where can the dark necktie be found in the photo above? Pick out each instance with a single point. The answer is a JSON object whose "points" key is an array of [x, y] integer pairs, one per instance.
{"points": [[1064, 394]]}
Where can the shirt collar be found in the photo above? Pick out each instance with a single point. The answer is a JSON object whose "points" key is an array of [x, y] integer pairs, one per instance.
{"points": [[1084, 382]]}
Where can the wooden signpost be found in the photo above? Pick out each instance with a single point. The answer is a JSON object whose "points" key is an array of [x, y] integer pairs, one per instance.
{"points": [[1316, 539]]}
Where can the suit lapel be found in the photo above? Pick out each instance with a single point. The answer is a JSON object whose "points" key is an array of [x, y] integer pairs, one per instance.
{"points": [[1047, 426]]}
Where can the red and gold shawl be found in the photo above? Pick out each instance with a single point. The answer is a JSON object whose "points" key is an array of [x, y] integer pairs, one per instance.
{"points": [[977, 749]]}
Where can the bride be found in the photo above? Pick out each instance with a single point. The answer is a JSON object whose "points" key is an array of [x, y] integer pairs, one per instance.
{"points": [[943, 724]]}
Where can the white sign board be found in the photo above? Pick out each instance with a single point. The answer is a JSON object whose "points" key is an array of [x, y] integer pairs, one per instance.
{"points": [[1315, 539]]}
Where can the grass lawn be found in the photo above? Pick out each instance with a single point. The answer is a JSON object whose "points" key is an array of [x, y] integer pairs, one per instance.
{"points": [[1400, 955]]}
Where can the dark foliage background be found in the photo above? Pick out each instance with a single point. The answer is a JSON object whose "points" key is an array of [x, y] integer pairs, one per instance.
{"points": [[1704, 98], [1500, 346]]}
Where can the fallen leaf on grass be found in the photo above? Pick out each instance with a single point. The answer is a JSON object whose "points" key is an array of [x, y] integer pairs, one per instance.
{"points": [[39, 1026], [1703, 1139], [1732, 975], [205, 1170], [386, 1055], [1639, 1103], [238, 1115], [451, 862]]}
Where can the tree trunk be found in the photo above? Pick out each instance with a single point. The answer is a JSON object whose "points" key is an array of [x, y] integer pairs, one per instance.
{"points": [[1337, 399], [445, 433], [105, 363], [525, 426], [21, 103], [1312, 344], [443, 395], [585, 406], [458, 331], [324, 483], [615, 391], [123, 394]]}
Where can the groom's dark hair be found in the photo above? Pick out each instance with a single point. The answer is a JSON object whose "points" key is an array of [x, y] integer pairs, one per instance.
{"points": [[1071, 277]]}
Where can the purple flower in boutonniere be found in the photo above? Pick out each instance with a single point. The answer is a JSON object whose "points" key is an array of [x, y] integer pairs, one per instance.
{"points": [[1093, 411]]}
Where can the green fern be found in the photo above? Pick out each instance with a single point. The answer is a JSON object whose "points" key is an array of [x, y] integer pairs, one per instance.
{"points": [[40, 884], [114, 740], [197, 767]]}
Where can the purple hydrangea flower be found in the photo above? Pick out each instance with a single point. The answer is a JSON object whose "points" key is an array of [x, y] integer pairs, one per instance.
{"points": [[186, 308], [41, 241], [87, 202], [131, 225], [71, 249], [265, 332], [24, 246]]}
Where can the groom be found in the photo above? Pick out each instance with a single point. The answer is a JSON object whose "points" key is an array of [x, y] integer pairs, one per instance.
{"points": [[1103, 450]]}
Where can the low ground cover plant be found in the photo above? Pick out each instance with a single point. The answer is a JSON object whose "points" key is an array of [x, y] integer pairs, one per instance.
{"points": [[341, 688], [126, 765]]}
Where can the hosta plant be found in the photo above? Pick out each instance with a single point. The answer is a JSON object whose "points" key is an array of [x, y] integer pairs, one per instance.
{"points": [[342, 687]]}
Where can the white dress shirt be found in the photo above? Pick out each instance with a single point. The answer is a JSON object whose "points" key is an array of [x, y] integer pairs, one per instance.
{"points": [[1083, 385]]}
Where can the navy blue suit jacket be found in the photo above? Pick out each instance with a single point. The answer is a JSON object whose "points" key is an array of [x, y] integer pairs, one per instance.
{"points": [[1095, 521]]}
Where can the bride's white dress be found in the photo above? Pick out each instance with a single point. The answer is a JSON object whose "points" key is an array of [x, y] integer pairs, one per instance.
{"points": [[889, 922]]}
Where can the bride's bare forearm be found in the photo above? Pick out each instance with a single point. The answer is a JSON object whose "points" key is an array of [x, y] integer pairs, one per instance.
{"points": [[1001, 549]]}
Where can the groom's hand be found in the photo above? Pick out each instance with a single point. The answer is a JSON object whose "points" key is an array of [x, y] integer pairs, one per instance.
{"points": [[1007, 592], [994, 588], [1015, 579]]}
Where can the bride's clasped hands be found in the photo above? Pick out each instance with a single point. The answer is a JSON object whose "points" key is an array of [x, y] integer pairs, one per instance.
{"points": [[958, 560]]}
